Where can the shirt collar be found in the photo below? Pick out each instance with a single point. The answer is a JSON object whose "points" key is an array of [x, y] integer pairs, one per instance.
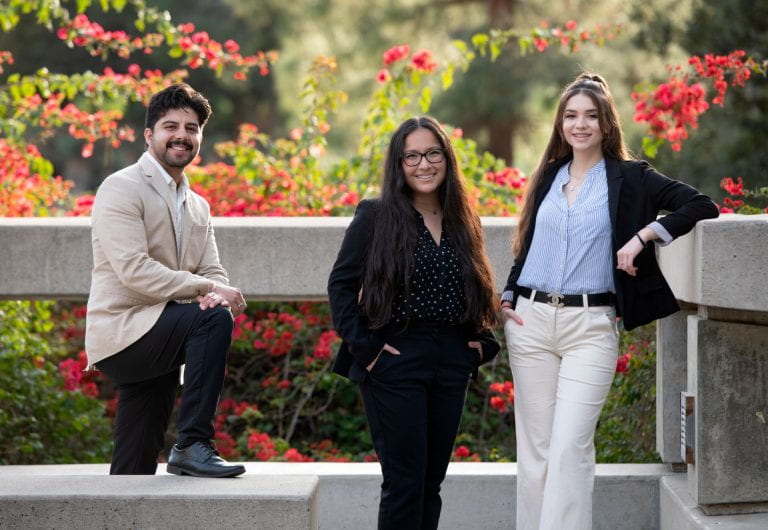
{"points": [[167, 177], [563, 176]]}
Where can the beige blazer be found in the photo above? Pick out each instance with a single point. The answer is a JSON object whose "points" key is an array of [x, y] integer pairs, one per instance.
{"points": [[136, 269]]}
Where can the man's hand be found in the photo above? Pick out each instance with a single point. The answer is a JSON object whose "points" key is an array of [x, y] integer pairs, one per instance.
{"points": [[225, 296]]}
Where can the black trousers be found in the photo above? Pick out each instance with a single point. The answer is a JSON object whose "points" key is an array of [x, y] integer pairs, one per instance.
{"points": [[413, 403], [147, 376]]}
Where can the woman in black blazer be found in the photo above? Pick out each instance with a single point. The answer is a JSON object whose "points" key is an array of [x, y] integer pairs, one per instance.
{"points": [[411, 296], [582, 258]]}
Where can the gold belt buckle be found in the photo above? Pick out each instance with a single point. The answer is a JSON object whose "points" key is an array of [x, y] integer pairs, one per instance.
{"points": [[555, 300]]}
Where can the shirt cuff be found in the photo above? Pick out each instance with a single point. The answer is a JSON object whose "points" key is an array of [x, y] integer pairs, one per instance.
{"points": [[507, 296], [665, 238]]}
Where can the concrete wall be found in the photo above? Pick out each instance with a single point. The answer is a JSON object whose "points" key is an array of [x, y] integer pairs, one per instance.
{"points": [[269, 258], [475, 495]]}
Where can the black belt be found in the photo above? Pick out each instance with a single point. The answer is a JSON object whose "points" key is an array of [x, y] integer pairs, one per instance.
{"points": [[568, 300]]}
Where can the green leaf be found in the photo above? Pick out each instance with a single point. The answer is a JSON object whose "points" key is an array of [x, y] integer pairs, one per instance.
{"points": [[460, 45], [479, 40], [651, 146], [426, 99], [447, 76], [495, 50]]}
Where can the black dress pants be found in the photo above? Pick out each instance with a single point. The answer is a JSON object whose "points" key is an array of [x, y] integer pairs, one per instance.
{"points": [[147, 375], [413, 403]]}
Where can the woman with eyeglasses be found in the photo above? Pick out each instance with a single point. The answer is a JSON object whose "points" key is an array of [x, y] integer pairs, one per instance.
{"points": [[583, 256], [412, 298]]}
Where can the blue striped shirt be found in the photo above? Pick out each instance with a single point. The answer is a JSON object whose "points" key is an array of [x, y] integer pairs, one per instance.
{"points": [[571, 250]]}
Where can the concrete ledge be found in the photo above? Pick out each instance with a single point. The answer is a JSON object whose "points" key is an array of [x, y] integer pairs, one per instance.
{"points": [[475, 495], [721, 263], [48, 500], [269, 258], [680, 512]]}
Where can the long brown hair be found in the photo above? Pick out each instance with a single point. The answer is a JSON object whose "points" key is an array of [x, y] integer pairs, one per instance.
{"points": [[596, 88], [390, 260]]}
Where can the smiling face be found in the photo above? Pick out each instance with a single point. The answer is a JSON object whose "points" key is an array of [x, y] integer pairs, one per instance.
{"points": [[175, 139], [581, 125], [426, 177]]}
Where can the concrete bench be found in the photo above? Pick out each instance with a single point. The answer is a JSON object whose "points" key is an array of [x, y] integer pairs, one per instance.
{"points": [[54, 498]]}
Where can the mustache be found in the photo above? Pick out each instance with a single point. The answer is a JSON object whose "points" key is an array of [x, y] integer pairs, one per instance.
{"points": [[182, 143]]}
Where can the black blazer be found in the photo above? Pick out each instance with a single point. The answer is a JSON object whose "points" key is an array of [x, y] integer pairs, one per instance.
{"points": [[637, 193], [360, 345]]}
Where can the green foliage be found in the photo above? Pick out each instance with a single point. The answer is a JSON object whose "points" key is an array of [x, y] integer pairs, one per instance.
{"points": [[41, 423], [626, 431]]}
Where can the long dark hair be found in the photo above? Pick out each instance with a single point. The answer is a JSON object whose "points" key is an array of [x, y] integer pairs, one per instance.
{"points": [[596, 88], [390, 260]]}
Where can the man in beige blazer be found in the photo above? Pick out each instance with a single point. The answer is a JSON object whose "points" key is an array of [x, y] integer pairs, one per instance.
{"points": [[160, 298]]}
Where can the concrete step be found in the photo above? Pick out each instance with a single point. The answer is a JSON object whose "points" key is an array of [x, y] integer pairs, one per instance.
{"points": [[475, 495], [680, 512]]}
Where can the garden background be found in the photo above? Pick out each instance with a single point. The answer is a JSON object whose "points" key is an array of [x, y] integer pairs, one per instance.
{"points": [[305, 97]]}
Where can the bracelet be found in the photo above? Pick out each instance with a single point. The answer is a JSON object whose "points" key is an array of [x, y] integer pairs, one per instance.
{"points": [[637, 235]]}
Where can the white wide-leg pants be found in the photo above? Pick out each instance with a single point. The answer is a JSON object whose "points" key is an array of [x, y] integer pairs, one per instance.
{"points": [[563, 362]]}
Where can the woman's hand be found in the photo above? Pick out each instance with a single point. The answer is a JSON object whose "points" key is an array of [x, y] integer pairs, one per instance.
{"points": [[625, 257], [478, 346], [386, 348], [508, 313]]}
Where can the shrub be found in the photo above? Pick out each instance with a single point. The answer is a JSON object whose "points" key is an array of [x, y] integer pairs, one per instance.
{"points": [[41, 421]]}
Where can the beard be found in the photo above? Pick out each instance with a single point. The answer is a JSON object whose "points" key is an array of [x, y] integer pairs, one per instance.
{"points": [[174, 158]]}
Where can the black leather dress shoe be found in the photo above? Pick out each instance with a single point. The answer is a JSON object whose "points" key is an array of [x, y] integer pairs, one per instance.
{"points": [[201, 460]]}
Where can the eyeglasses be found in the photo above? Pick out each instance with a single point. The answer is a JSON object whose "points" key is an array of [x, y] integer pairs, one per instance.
{"points": [[433, 156]]}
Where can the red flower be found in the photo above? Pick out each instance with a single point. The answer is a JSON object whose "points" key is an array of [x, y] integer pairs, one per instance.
{"points": [[396, 53], [541, 44], [571, 24], [733, 188], [293, 455], [622, 364], [461, 451], [423, 61]]}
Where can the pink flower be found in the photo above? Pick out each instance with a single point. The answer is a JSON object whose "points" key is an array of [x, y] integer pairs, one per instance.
{"points": [[383, 76], [571, 24]]}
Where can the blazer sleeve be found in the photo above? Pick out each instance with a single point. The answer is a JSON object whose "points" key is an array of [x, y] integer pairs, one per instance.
{"points": [[491, 346], [686, 206], [210, 265], [344, 285], [117, 224]]}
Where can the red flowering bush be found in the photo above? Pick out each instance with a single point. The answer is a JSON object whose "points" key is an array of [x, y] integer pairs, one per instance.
{"points": [[626, 431], [674, 107], [735, 202]]}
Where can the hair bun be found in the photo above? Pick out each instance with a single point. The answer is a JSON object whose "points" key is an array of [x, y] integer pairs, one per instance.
{"points": [[595, 78]]}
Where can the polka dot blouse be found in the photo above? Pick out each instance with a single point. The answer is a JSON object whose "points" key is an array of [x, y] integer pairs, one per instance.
{"points": [[435, 290]]}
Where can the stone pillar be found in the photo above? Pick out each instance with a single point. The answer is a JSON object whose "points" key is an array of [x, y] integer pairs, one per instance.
{"points": [[719, 271], [728, 375], [671, 379]]}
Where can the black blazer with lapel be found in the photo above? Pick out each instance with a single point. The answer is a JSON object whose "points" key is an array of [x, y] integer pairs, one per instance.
{"points": [[360, 345], [637, 193]]}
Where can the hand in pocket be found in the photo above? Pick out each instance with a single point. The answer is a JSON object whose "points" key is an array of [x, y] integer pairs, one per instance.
{"points": [[386, 348]]}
